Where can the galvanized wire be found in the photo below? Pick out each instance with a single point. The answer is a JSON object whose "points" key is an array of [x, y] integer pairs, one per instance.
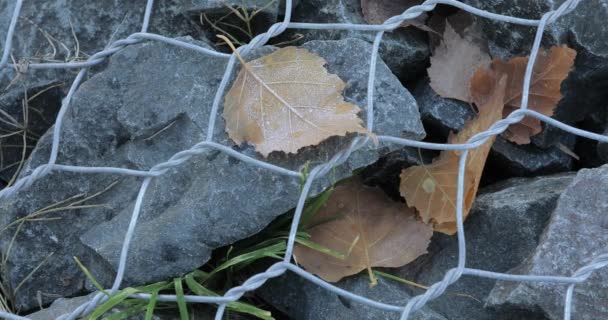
{"points": [[280, 268]]}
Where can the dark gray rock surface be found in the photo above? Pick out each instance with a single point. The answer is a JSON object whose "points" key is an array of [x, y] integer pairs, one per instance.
{"points": [[439, 114], [139, 118], [301, 299], [61, 31], [575, 234], [405, 51], [503, 228], [529, 160]]}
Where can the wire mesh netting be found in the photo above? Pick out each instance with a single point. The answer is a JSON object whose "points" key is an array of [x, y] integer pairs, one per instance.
{"points": [[279, 268]]}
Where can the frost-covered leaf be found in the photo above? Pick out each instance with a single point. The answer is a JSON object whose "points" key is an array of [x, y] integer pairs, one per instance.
{"points": [[431, 188], [368, 227], [453, 63], [287, 100]]}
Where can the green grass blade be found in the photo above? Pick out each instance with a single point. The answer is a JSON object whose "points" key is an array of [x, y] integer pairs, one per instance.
{"points": [[151, 305], [128, 313], [236, 306], [90, 277], [112, 302], [181, 301], [315, 205], [270, 251]]}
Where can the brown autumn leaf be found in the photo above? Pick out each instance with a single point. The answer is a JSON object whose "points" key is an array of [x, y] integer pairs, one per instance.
{"points": [[550, 69], [367, 226], [453, 63], [287, 100], [432, 188], [378, 11]]}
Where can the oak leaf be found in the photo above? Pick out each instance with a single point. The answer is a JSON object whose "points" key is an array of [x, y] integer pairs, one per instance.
{"points": [[431, 188], [453, 63], [368, 227], [550, 69], [287, 100]]}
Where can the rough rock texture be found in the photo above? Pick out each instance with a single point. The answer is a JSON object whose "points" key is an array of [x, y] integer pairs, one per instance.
{"points": [[303, 300], [441, 115], [577, 231], [47, 32], [139, 118], [405, 51], [511, 159], [503, 228]]}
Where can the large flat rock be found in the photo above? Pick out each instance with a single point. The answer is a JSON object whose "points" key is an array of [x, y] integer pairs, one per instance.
{"points": [[152, 101], [575, 234]]}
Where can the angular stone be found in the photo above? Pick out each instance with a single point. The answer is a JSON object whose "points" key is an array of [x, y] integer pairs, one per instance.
{"points": [[575, 234], [60, 31], [441, 116], [503, 228], [94, 25], [405, 51], [301, 299], [511, 159], [139, 118]]}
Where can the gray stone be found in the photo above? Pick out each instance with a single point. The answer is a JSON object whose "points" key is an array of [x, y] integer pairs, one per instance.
{"points": [[575, 234], [44, 34], [503, 228], [142, 117], [441, 116], [95, 25], [301, 299], [529, 160], [405, 51]]}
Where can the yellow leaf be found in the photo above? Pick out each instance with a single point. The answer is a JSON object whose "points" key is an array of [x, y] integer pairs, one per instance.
{"points": [[431, 189], [287, 100], [368, 227]]}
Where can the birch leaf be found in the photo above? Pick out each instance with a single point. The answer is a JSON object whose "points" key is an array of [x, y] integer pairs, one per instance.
{"points": [[368, 227], [287, 100], [431, 188], [453, 63], [550, 69]]}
